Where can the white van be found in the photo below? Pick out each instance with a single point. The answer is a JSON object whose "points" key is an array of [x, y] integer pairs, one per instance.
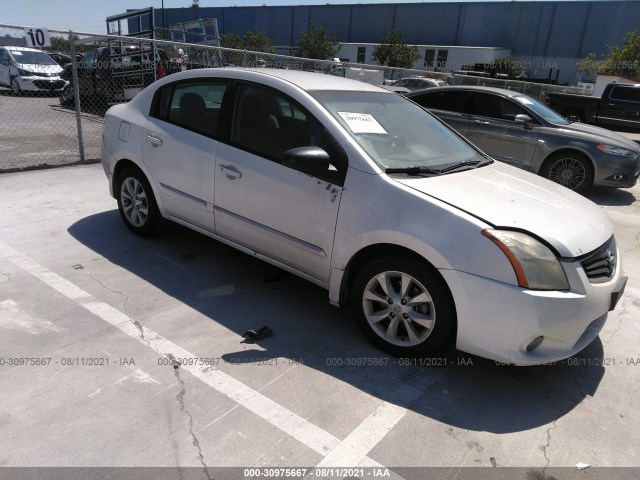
{"points": [[29, 69]]}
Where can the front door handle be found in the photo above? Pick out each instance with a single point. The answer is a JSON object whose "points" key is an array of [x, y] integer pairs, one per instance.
{"points": [[230, 171], [481, 122], [156, 142]]}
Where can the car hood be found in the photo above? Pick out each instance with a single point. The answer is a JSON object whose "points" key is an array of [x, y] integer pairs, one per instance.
{"points": [[599, 135], [38, 68], [507, 197]]}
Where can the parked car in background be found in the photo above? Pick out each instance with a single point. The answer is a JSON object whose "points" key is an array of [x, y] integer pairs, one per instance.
{"points": [[516, 129], [60, 58], [364, 193], [619, 106], [29, 70], [418, 83], [106, 75]]}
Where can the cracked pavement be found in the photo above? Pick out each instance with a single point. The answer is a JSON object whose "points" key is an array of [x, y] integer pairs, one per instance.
{"points": [[285, 401]]}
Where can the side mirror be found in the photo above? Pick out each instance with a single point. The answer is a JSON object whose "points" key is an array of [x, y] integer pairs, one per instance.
{"points": [[525, 120], [311, 160]]}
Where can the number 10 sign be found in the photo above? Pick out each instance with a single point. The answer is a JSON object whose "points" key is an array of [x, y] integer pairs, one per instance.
{"points": [[37, 37]]}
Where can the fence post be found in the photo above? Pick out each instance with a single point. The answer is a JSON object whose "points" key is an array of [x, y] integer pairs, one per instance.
{"points": [[76, 95]]}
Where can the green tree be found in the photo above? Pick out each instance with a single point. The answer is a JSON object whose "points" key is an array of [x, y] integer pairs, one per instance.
{"points": [[589, 64], [625, 60], [59, 44], [509, 65], [255, 42], [393, 51], [317, 44], [232, 40]]}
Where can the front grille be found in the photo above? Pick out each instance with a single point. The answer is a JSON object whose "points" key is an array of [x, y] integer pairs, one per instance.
{"points": [[43, 74], [600, 265], [48, 85]]}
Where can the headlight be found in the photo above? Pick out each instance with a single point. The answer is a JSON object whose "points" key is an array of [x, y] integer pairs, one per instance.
{"points": [[619, 151], [24, 73], [536, 267]]}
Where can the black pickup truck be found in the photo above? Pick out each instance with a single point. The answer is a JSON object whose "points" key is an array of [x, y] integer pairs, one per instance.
{"points": [[619, 106]]}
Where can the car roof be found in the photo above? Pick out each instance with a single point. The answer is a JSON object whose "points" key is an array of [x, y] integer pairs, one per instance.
{"points": [[499, 91], [309, 81], [23, 49]]}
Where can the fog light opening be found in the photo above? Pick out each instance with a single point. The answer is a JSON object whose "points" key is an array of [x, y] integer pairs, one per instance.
{"points": [[535, 343], [617, 177]]}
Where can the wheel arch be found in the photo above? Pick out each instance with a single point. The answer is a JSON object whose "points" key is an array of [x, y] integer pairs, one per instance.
{"points": [[124, 163], [565, 150], [378, 250]]}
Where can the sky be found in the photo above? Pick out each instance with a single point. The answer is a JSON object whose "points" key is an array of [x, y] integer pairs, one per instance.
{"points": [[88, 16]]}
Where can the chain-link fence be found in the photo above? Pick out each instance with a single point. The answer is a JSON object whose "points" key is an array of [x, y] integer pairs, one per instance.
{"points": [[34, 128], [52, 113], [539, 91]]}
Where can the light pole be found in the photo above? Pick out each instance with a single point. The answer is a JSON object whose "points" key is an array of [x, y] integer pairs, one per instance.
{"points": [[164, 24]]}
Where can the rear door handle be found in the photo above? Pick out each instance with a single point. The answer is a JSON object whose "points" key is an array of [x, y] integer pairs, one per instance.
{"points": [[230, 171], [156, 142], [481, 122]]}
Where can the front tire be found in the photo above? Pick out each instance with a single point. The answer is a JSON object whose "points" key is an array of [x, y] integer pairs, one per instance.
{"points": [[15, 87], [137, 204], [570, 170], [403, 307], [67, 97]]}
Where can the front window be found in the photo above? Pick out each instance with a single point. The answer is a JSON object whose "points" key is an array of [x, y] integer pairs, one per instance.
{"points": [[27, 57], [542, 110], [395, 132]]}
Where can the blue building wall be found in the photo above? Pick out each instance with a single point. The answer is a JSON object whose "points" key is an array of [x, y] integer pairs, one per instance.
{"points": [[537, 29]]}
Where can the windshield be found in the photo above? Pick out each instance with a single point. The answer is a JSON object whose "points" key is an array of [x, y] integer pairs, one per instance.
{"points": [[395, 132], [542, 110], [27, 57]]}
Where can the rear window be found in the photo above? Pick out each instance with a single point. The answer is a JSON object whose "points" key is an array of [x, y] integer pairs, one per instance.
{"points": [[627, 94]]}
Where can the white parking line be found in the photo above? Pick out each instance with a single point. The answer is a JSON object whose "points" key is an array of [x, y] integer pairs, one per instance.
{"points": [[352, 451], [287, 421]]}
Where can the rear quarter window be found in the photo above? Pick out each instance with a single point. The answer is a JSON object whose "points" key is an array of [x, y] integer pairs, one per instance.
{"points": [[444, 100]]}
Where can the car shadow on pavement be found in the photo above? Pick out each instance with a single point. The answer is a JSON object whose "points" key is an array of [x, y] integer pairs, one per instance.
{"points": [[99, 109], [241, 293], [610, 197]]}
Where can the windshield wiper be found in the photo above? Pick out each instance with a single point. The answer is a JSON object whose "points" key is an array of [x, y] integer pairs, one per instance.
{"points": [[414, 170], [422, 170], [466, 163]]}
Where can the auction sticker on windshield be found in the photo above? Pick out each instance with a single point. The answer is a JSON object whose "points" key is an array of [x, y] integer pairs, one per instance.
{"points": [[362, 123]]}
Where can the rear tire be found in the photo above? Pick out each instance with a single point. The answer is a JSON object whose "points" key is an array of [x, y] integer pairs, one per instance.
{"points": [[575, 115], [570, 170], [403, 307], [137, 204]]}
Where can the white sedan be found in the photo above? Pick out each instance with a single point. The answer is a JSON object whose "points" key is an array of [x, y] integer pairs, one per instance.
{"points": [[364, 193]]}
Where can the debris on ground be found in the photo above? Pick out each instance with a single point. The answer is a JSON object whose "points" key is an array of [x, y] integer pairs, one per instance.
{"points": [[264, 332]]}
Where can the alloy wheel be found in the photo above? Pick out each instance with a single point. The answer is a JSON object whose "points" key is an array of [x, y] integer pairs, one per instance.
{"points": [[134, 202], [398, 308], [569, 172]]}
